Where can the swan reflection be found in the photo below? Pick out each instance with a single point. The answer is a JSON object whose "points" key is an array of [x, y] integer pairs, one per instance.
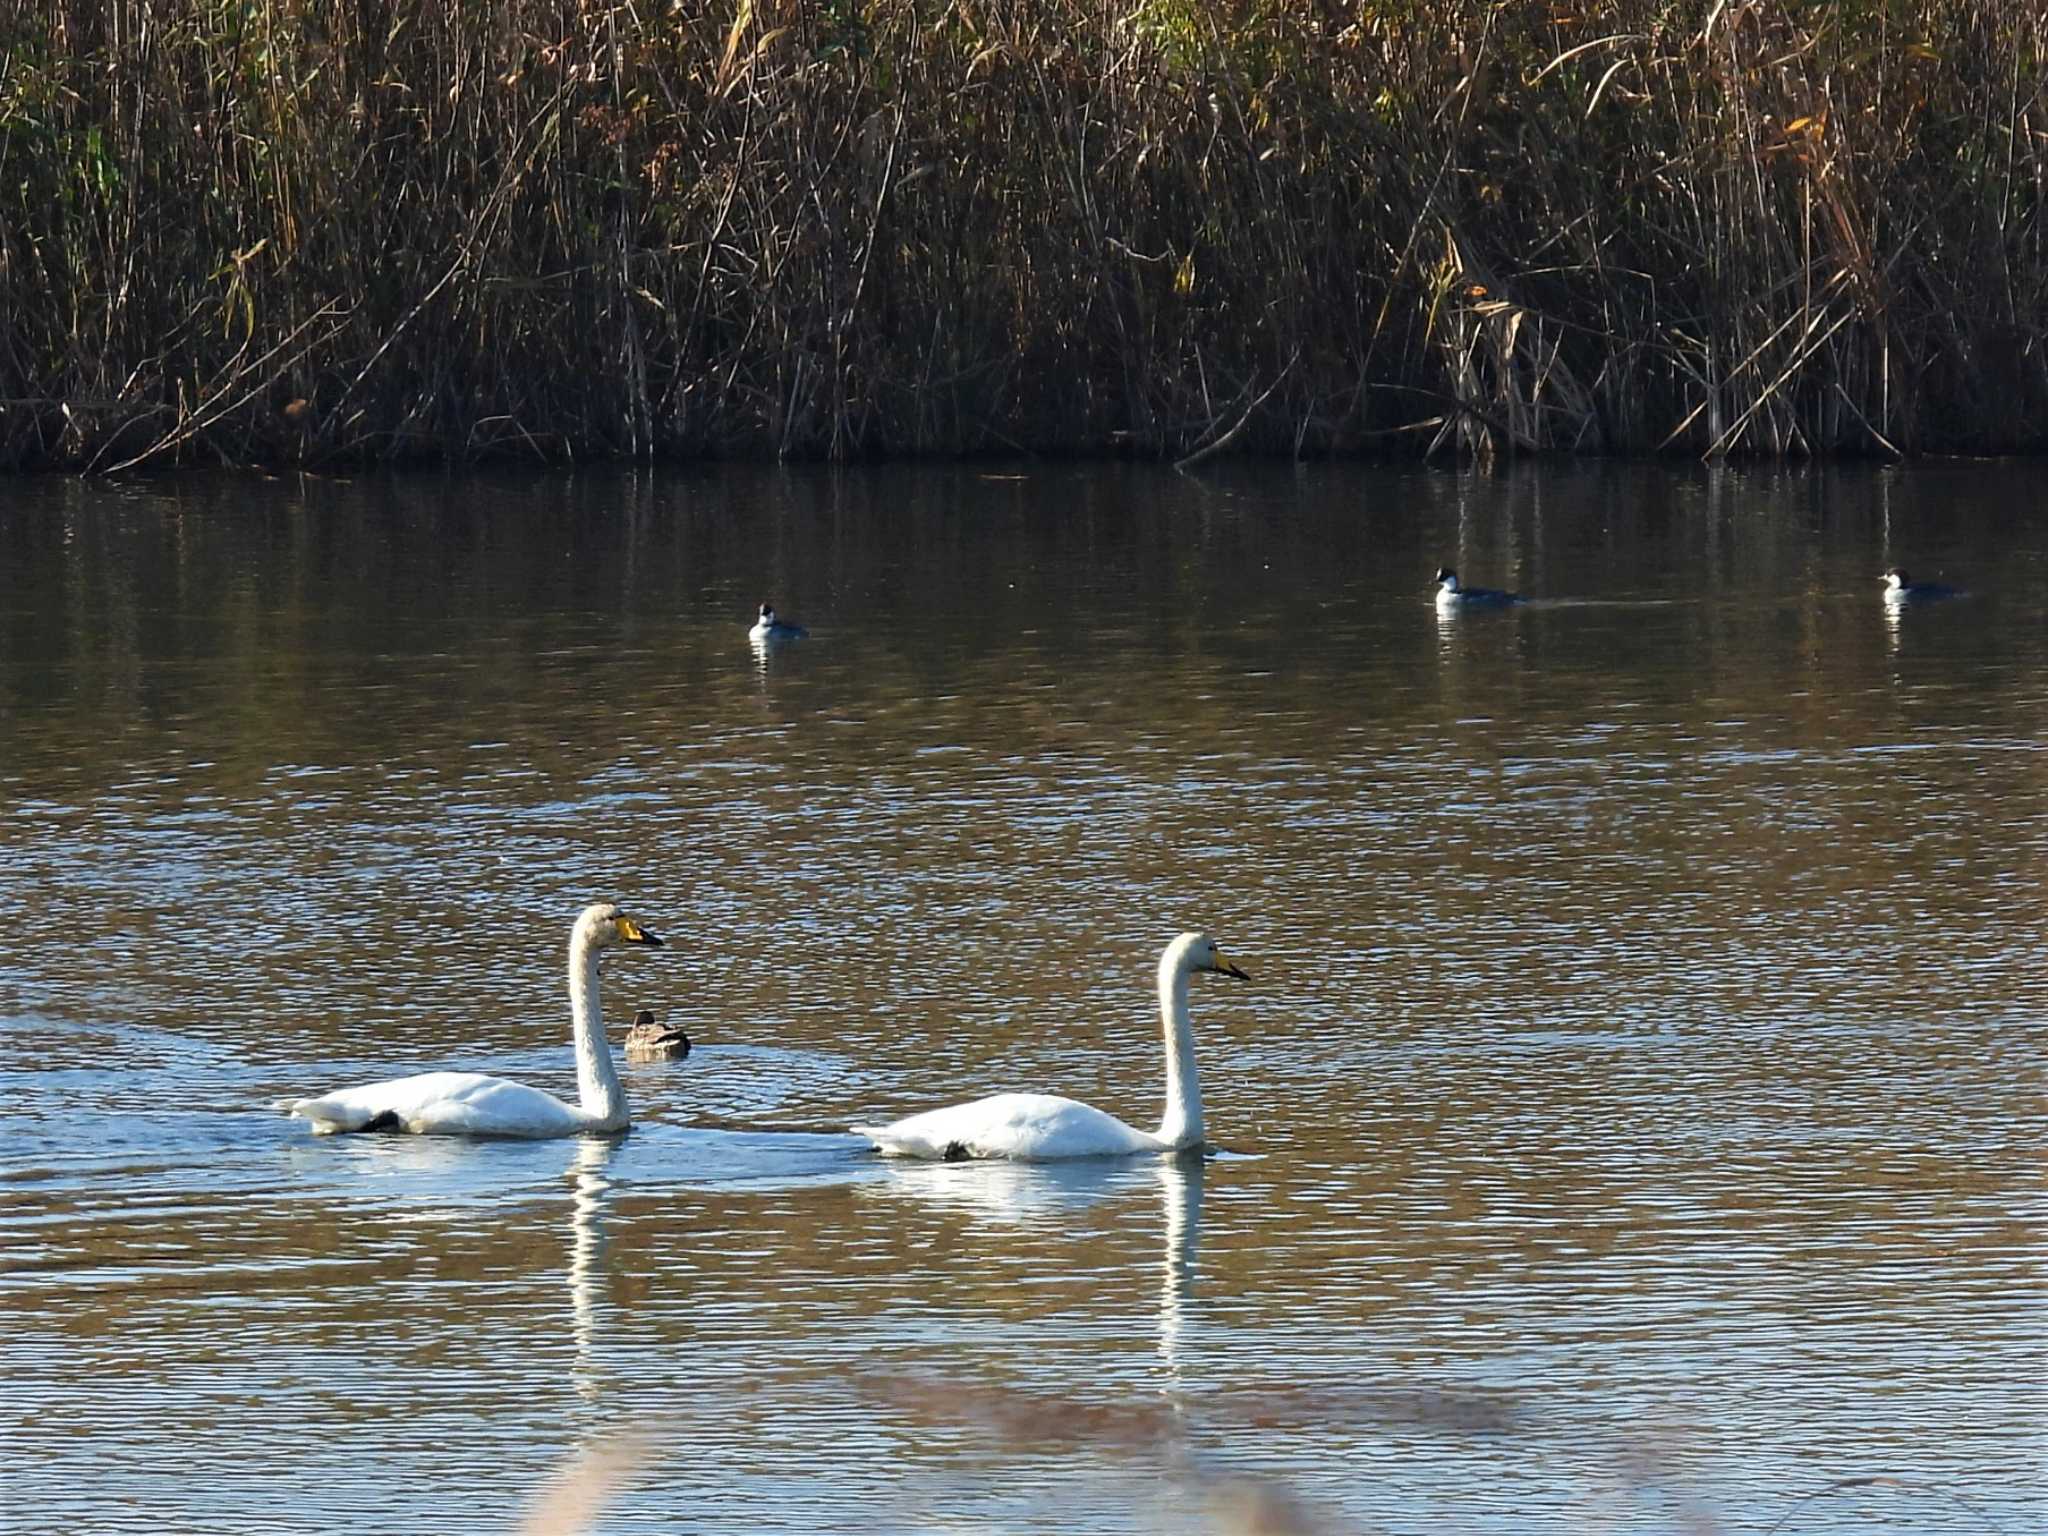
{"points": [[590, 1194], [1180, 1190], [1005, 1193], [1041, 1194]]}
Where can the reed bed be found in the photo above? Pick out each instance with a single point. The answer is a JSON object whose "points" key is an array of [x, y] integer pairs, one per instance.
{"points": [[319, 232]]}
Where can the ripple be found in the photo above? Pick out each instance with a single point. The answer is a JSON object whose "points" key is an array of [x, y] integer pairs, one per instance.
{"points": [[1635, 1109]]}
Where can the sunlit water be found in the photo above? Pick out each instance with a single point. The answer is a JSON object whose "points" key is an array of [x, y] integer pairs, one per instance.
{"points": [[1634, 1121]]}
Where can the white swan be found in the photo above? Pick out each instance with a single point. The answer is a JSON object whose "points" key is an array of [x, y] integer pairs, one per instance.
{"points": [[471, 1104], [1041, 1127]]}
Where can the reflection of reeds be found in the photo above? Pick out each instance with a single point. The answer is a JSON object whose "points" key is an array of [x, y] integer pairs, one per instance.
{"points": [[571, 1503], [1026, 1418], [1853, 1484], [293, 232], [1232, 1501], [1229, 1501], [1243, 1505]]}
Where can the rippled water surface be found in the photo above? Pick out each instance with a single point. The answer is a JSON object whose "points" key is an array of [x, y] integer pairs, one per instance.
{"points": [[1634, 1121]]}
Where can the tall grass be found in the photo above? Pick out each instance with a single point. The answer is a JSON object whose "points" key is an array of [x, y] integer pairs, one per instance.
{"points": [[321, 230]]}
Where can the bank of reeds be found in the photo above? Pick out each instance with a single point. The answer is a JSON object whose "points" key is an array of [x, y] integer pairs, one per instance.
{"points": [[335, 230]]}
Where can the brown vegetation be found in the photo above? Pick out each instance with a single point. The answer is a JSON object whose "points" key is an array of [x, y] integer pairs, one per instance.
{"points": [[303, 230]]}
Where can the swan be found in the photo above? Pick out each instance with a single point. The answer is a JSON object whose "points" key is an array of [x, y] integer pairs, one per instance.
{"points": [[1450, 595], [769, 630], [647, 1038], [1042, 1127], [471, 1104]]}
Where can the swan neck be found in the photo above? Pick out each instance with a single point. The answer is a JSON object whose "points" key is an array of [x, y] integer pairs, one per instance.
{"points": [[597, 1080], [1182, 1125]]}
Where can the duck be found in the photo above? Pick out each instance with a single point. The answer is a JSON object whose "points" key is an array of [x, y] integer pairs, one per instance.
{"points": [[648, 1038], [769, 630], [474, 1104], [1899, 587], [1044, 1127], [1450, 595]]}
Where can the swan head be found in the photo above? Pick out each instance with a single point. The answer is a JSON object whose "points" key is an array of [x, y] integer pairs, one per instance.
{"points": [[602, 925], [1895, 580], [1198, 952]]}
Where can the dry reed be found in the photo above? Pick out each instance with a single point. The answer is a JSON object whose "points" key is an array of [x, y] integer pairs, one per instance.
{"points": [[296, 231]]}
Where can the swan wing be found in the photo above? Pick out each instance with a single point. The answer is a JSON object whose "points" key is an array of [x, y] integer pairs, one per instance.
{"points": [[1026, 1127], [442, 1104]]}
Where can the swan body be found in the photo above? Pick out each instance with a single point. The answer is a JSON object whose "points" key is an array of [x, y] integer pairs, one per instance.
{"points": [[1451, 596], [1024, 1127], [769, 630], [1043, 1127], [648, 1038], [1902, 588], [473, 1104], [445, 1104]]}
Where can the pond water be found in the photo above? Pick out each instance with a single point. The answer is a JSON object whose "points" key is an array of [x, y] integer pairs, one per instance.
{"points": [[1633, 1121]]}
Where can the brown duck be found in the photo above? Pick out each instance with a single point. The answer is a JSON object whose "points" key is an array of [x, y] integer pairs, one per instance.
{"points": [[649, 1038]]}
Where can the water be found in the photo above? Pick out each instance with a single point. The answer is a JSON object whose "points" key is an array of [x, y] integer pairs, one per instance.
{"points": [[1633, 1121]]}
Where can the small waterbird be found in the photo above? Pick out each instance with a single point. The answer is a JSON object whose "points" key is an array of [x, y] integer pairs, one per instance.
{"points": [[1902, 588], [769, 630], [1450, 595], [648, 1038]]}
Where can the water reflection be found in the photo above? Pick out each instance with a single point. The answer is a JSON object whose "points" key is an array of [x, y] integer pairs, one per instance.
{"points": [[999, 1192], [1446, 629], [1050, 1196], [1658, 1085], [1180, 1188], [587, 1246]]}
